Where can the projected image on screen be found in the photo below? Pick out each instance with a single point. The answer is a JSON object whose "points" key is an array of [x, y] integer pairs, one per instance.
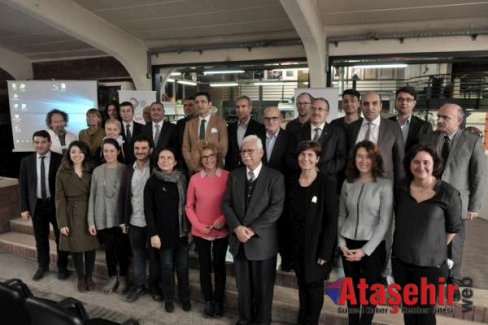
{"points": [[30, 101]]}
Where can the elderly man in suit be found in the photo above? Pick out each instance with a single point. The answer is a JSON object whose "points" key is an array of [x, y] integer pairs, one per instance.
{"points": [[464, 169], [413, 128], [37, 177], [162, 132], [130, 129], [252, 204], [239, 129], [206, 128]]}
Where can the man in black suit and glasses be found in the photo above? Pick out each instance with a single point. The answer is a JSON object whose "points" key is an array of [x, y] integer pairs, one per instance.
{"points": [[37, 177]]}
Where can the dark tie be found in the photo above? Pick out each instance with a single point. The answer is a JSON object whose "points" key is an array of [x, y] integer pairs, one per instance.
{"points": [[316, 137], [368, 132], [250, 176], [43, 178], [156, 135], [62, 142], [201, 134], [128, 135], [445, 149]]}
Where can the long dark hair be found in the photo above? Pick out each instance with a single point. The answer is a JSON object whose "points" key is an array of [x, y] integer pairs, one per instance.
{"points": [[67, 163], [378, 170]]}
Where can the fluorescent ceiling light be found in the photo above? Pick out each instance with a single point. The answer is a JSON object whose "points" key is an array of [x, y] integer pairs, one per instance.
{"points": [[185, 82], [381, 66], [222, 72], [269, 83], [170, 80], [224, 84], [175, 74]]}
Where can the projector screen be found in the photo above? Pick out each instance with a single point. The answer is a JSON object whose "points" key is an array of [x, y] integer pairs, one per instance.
{"points": [[30, 101]]}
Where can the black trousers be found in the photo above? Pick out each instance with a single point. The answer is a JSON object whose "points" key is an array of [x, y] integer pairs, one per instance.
{"points": [[455, 252], [211, 255], [408, 273], [368, 268], [84, 262], [117, 250], [141, 251], [44, 215], [311, 297], [255, 284]]}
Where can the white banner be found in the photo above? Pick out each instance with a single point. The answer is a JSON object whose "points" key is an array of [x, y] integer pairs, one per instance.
{"points": [[139, 99]]}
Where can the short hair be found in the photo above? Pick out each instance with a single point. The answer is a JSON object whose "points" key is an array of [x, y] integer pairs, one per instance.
{"points": [[371, 92], [249, 102], [114, 122], [67, 163], [156, 103], [210, 146], [170, 149], [50, 114], [305, 94], [323, 100], [438, 164], [95, 112], [112, 142], [143, 138], [253, 137], [204, 93], [407, 89], [378, 170], [42, 134], [189, 98], [352, 92], [270, 108], [308, 145], [127, 104]]}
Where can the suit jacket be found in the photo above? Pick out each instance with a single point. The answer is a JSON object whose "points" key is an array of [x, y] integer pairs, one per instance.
{"points": [[465, 168], [216, 132], [334, 148], [137, 129], [283, 157], [233, 158], [28, 181], [167, 138], [390, 141], [261, 215], [417, 130], [180, 132]]}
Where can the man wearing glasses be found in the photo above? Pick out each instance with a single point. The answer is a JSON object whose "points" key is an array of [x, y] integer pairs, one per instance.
{"points": [[413, 128], [303, 108]]}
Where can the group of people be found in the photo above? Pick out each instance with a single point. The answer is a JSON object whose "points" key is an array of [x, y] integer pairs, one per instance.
{"points": [[307, 192]]}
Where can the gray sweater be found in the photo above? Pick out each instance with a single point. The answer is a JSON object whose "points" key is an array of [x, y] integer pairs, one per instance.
{"points": [[365, 212], [104, 206]]}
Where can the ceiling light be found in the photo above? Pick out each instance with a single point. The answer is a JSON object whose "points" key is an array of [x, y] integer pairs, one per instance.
{"points": [[222, 72], [170, 80], [381, 66], [175, 74], [224, 84], [185, 82], [269, 83]]}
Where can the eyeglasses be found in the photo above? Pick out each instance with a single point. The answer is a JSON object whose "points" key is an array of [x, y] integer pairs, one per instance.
{"points": [[248, 151], [303, 103], [406, 100], [272, 118], [208, 157]]}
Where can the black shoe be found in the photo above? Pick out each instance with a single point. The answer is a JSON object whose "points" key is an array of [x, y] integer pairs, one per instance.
{"points": [[41, 271], [208, 309], [63, 274], [186, 305], [135, 293], [169, 306], [457, 295], [219, 309], [157, 295]]}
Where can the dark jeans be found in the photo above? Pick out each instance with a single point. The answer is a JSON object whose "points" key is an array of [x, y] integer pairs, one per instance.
{"points": [[368, 268], [408, 273], [171, 259], [139, 243], [211, 253], [455, 252], [84, 262], [311, 297], [45, 213], [117, 250]]}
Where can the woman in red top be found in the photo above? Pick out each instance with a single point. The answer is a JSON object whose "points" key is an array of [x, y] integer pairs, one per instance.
{"points": [[203, 208]]}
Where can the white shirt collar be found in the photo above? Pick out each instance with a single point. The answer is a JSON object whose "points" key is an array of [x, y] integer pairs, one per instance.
{"points": [[256, 170], [321, 126], [375, 122], [47, 155], [270, 136], [204, 174]]}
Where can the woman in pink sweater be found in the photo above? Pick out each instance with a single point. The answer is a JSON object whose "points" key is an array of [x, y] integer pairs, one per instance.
{"points": [[203, 208]]}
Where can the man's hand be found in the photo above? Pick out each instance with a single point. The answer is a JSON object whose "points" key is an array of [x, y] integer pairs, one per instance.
{"points": [[25, 215], [92, 230], [321, 261], [471, 215], [243, 233], [125, 228], [155, 242]]}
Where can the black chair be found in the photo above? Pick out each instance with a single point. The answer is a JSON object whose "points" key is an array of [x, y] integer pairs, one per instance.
{"points": [[13, 295]]}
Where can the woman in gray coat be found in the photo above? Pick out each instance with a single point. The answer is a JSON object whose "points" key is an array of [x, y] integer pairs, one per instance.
{"points": [[72, 191]]}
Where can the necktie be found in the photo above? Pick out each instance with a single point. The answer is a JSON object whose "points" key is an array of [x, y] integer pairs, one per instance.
{"points": [[43, 178], [250, 176], [201, 134], [156, 135], [445, 148], [367, 136], [62, 142], [316, 137], [128, 135]]}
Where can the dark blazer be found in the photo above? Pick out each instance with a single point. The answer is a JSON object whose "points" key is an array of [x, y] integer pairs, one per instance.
{"points": [[167, 138], [126, 198], [320, 226], [390, 141], [28, 181], [233, 158], [340, 122], [180, 132], [129, 146], [261, 215], [283, 157], [418, 129], [334, 148], [137, 129]]}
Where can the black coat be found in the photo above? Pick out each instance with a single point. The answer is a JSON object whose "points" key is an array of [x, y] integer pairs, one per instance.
{"points": [[417, 131], [283, 157], [129, 146], [233, 158], [167, 138]]}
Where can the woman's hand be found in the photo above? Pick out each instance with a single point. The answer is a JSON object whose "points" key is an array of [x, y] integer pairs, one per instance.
{"points": [[155, 242], [355, 255], [125, 228], [207, 230], [218, 224], [92, 230], [321, 261], [64, 231]]}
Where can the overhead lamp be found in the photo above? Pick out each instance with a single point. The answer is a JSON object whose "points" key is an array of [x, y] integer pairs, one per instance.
{"points": [[381, 66], [175, 74], [272, 83], [170, 80], [224, 84], [186, 82], [206, 73]]}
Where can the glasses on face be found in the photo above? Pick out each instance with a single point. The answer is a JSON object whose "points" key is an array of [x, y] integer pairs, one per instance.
{"points": [[272, 118], [405, 100], [247, 151], [303, 103], [208, 157]]}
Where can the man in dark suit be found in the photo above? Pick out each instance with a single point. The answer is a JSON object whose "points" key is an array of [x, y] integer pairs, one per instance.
{"points": [[384, 133], [236, 131], [332, 139], [130, 129], [37, 179], [413, 128], [252, 204], [302, 102], [464, 169], [190, 112], [162, 132]]}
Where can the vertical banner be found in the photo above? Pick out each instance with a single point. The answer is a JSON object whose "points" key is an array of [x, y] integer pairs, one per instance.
{"points": [[139, 100]]}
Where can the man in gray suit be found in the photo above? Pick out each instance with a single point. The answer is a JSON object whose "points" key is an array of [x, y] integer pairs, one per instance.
{"points": [[464, 169], [252, 204]]}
